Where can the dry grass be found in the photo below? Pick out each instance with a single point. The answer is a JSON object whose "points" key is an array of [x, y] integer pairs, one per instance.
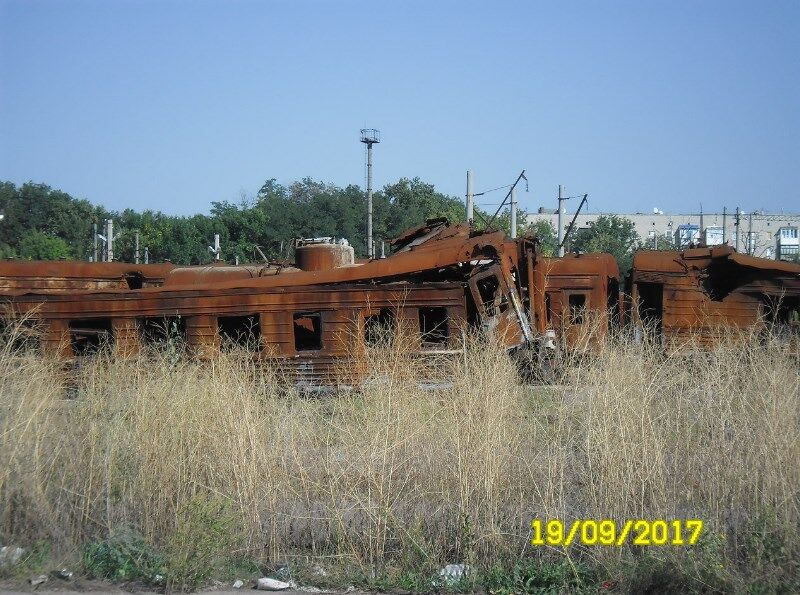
{"points": [[395, 476]]}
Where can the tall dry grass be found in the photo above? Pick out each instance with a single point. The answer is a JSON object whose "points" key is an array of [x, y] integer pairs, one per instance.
{"points": [[399, 475]]}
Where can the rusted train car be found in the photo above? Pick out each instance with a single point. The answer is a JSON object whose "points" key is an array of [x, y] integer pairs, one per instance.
{"points": [[439, 279], [581, 298], [696, 294]]}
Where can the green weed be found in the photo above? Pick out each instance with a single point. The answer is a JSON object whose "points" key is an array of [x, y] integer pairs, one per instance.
{"points": [[203, 543], [123, 556]]}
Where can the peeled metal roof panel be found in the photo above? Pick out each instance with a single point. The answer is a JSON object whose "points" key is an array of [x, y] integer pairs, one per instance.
{"points": [[766, 264], [700, 258]]}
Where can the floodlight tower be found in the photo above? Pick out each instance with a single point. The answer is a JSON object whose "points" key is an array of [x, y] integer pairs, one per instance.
{"points": [[369, 136]]}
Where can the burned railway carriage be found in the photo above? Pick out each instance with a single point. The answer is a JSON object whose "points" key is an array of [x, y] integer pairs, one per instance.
{"points": [[439, 279], [581, 297], [696, 294]]}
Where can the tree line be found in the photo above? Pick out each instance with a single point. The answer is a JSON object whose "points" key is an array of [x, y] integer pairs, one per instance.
{"points": [[42, 223]]}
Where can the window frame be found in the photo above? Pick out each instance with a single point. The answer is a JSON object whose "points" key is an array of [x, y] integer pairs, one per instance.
{"points": [[380, 316], [421, 317], [105, 336], [317, 330], [145, 325], [229, 342], [572, 319]]}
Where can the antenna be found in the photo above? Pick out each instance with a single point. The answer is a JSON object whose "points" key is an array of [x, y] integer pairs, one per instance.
{"points": [[369, 136]]}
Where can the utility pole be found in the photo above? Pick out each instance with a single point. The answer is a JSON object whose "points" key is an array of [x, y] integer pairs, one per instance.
{"points": [[470, 198], [702, 228], [736, 224], [561, 200], [136, 249], [513, 213], [369, 136], [370, 252], [216, 250], [750, 244], [521, 176], [109, 240], [724, 224], [94, 254]]}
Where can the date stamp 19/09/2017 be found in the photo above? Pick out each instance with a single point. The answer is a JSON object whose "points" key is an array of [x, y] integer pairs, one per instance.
{"points": [[608, 532]]}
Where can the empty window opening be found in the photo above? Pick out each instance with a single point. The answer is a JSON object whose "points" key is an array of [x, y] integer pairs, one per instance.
{"points": [[307, 331], [433, 325], [487, 288], [240, 331], [781, 311], [577, 308], [379, 328], [134, 280], [548, 308], [162, 330], [651, 305], [90, 336]]}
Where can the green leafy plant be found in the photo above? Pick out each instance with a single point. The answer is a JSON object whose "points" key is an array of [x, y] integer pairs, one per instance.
{"points": [[538, 577], [123, 556], [202, 543]]}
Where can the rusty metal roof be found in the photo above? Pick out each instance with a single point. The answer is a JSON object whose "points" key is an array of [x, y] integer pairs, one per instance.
{"points": [[21, 277], [583, 264], [700, 258], [79, 268]]}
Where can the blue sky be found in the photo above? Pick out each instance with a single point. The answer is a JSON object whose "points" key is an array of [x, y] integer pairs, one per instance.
{"points": [[172, 105]]}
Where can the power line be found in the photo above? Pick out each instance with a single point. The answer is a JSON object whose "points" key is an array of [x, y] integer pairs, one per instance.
{"points": [[492, 190], [521, 176]]}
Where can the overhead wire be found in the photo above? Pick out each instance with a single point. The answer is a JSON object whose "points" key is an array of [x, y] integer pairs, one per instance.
{"points": [[492, 190]]}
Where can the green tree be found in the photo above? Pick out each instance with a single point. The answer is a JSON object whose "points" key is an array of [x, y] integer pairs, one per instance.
{"points": [[273, 218], [412, 201], [7, 251], [38, 245], [308, 209], [662, 243], [546, 233], [609, 233]]}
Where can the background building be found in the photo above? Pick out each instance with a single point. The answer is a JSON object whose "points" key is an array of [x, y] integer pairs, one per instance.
{"points": [[768, 235]]}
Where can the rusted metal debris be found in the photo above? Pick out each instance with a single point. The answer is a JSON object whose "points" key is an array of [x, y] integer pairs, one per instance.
{"points": [[696, 294], [440, 280]]}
